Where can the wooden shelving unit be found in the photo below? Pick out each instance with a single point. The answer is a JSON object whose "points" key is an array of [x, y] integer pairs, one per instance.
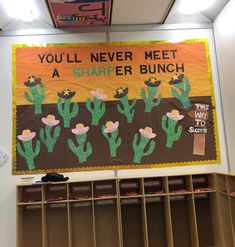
{"points": [[173, 211]]}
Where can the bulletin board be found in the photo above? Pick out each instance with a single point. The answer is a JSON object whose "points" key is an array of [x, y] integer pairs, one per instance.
{"points": [[125, 105]]}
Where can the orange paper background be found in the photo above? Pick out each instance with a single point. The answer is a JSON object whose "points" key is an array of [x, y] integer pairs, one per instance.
{"points": [[193, 54]]}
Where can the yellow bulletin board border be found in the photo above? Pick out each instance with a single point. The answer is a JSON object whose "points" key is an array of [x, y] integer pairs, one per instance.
{"points": [[121, 167]]}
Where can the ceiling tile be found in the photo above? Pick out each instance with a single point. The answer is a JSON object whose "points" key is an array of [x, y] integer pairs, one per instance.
{"points": [[175, 16], [139, 11]]}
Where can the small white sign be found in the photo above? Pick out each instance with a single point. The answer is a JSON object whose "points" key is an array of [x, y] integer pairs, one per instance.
{"points": [[3, 156]]}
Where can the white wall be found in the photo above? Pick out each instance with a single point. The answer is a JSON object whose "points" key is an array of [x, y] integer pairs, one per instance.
{"points": [[224, 30], [8, 182]]}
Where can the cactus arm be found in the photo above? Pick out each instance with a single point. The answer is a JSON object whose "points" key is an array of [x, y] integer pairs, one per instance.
{"points": [[57, 132], [134, 144], [88, 105], [120, 109], [151, 148], [42, 91], [176, 94], [143, 94], [119, 141], [27, 96], [37, 149], [74, 111], [179, 132], [59, 106], [133, 103], [187, 84], [104, 133], [71, 144], [88, 149], [42, 136], [158, 100], [20, 150], [164, 119]]}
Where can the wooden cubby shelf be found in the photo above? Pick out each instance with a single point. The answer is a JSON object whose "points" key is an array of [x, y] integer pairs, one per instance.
{"points": [[195, 210]]}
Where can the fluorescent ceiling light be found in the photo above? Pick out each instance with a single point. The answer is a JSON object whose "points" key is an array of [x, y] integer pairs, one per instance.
{"points": [[190, 7], [24, 10]]}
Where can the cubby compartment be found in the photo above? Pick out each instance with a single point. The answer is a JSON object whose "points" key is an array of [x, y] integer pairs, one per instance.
{"points": [[203, 183], [80, 191], [232, 210], [55, 192], [104, 189], [132, 222], [29, 194], [180, 220], [226, 220], [156, 225], [82, 225], [131, 187], [207, 219], [56, 225], [30, 226], [221, 183], [179, 184], [106, 223], [154, 186], [231, 185]]}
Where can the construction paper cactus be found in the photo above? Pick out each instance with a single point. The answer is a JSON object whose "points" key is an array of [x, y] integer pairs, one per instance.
{"points": [[80, 150], [28, 153], [126, 109], [98, 109], [110, 132], [150, 101], [139, 148], [169, 122], [183, 89], [46, 135], [37, 97], [64, 105]]}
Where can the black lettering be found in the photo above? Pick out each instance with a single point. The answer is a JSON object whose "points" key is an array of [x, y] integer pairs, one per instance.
{"points": [[55, 73], [143, 69], [41, 57], [50, 58], [94, 57]]}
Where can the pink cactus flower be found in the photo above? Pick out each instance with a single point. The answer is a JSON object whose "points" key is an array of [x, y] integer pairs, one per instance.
{"points": [[80, 129], [99, 94], [27, 135], [50, 120], [174, 115], [111, 127], [147, 132]]}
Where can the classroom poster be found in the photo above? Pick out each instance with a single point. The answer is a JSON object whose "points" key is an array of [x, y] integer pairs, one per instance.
{"points": [[113, 106], [79, 13]]}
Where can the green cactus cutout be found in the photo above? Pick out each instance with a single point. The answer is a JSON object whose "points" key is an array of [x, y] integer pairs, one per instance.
{"points": [[149, 101], [139, 148], [170, 128], [114, 141], [50, 139], [128, 109], [97, 111], [185, 88], [29, 154], [79, 150], [63, 107], [36, 98]]}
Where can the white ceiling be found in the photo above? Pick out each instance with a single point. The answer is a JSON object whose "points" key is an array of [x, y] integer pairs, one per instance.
{"points": [[125, 12]]}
